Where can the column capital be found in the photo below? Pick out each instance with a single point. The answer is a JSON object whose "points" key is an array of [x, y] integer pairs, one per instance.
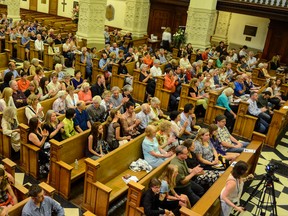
{"points": [[222, 27]]}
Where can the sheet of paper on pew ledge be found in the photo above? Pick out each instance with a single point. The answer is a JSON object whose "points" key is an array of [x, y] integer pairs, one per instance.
{"points": [[249, 150], [285, 107], [131, 178]]}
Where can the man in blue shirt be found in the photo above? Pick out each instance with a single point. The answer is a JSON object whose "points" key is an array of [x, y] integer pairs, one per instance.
{"points": [[12, 67], [239, 86], [40, 205], [82, 119]]}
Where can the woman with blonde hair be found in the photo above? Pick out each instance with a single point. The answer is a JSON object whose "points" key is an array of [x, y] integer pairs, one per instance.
{"points": [[164, 136], [6, 99], [156, 112], [32, 89], [72, 98], [204, 149], [166, 39], [152, 152], [194, 93], [53, 126], [170, 199], [85, 93], [10, 127], [34, 108]]}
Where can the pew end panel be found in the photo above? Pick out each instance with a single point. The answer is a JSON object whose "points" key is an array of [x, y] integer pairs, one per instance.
{"points": [[162, 94], [185, 98], [80, 66], [139, 88]]}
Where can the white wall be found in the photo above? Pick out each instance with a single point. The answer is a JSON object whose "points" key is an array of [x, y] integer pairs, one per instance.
{"points": [[119, 15], [44, 8], [25, 4], [68, 8], [236, 29]]}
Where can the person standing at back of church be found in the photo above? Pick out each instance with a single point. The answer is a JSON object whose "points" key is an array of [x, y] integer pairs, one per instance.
{"points": [[166, 39]]}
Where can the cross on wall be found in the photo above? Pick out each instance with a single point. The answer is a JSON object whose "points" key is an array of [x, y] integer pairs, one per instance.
{"points": [[64, 4]]}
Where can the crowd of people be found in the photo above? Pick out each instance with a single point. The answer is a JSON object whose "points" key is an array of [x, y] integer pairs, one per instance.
{"points": [[114, 118]]}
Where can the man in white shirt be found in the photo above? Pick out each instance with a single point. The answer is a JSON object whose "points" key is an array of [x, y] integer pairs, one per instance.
{"points": [[243, 51], [39, 46], [252, 61], [156, 70]]}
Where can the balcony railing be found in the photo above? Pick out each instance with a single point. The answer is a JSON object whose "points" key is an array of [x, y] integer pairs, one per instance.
{"points": [[277, 3]]}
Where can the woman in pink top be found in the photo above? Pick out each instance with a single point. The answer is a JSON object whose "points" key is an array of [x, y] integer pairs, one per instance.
{"points": [[85, 94]]}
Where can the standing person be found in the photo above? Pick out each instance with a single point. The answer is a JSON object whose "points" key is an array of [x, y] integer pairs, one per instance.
{"points": [[166, 39], [40, 203], [232, 191]]}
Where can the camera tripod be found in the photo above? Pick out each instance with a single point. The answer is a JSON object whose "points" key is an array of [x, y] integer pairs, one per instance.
{"points": [[267, 199]]}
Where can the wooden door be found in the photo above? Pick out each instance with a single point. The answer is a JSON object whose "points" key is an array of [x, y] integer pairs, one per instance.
{"points": [[167, 14], [53, 7], [277, 41], [33, 5]]}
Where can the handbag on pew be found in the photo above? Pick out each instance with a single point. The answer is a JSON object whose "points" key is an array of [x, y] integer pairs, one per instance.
{"points": [[114, 144]]}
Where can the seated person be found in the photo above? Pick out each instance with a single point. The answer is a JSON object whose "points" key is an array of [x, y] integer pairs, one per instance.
{"points": [[204, 150], [151, 202], [10, 127], [32, 89], [230, 112], [177, 129], [144, 117], [240, 88], [77, 80], [263, 72], [82, 119], [126, 93], [184, 183], [147, 77], [43, 90], [156, 112], [148, 60], [156, 70], [59, 105], [85, 93], [96, 111], [194, 93], [170, 83], [248, 83], [69, 124], [99, 87], [185, 62], [230, 143], [54, 85], [6, 81], [18, 96], [114, 137], [38, 137], [207, 177], [41, 203], [8, 198], [53, 126], [23, 82], [86, 59], [35, 63], [188, 116], [71, 98], [152, 152], [129, 121], [34, 108], [11, 68], [57, 57], [25, 41], [263, 118], [117, 99], [228, 156], [165, 138], [6, 99], [97, 146]]}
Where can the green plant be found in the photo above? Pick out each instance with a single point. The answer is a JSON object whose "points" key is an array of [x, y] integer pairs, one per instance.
{"points": [[179, 38]]}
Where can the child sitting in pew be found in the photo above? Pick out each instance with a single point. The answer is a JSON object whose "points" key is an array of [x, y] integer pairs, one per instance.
{"points": [[8, 197]]}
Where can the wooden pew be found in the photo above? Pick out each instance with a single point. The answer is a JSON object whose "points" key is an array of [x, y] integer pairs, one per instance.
{"points": [[33, 52], [284, 89], [48, 59], [209, 203], [139, 41], [256, 80], [278, 123], [212, 109], [80, 66], [20, 49], [9, 45], [136, 190], [245, 123], [96, 70], [5, 146], [103, 178], [62, 158], [4, 60], [185, 98], [162, 94], [139, 88], [118, 80]]}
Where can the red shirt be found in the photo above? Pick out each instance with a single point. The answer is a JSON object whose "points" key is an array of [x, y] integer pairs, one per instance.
{"points": [[23, 84]]}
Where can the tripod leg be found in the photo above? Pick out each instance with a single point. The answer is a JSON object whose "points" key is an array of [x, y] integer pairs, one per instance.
{"points": [[274, 206], [255, 191]]}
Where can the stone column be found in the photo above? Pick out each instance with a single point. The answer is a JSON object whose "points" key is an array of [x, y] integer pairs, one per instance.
{"points": [[222, 27], [136, 17], [91, 22], [13, 9], [201, 21]]}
